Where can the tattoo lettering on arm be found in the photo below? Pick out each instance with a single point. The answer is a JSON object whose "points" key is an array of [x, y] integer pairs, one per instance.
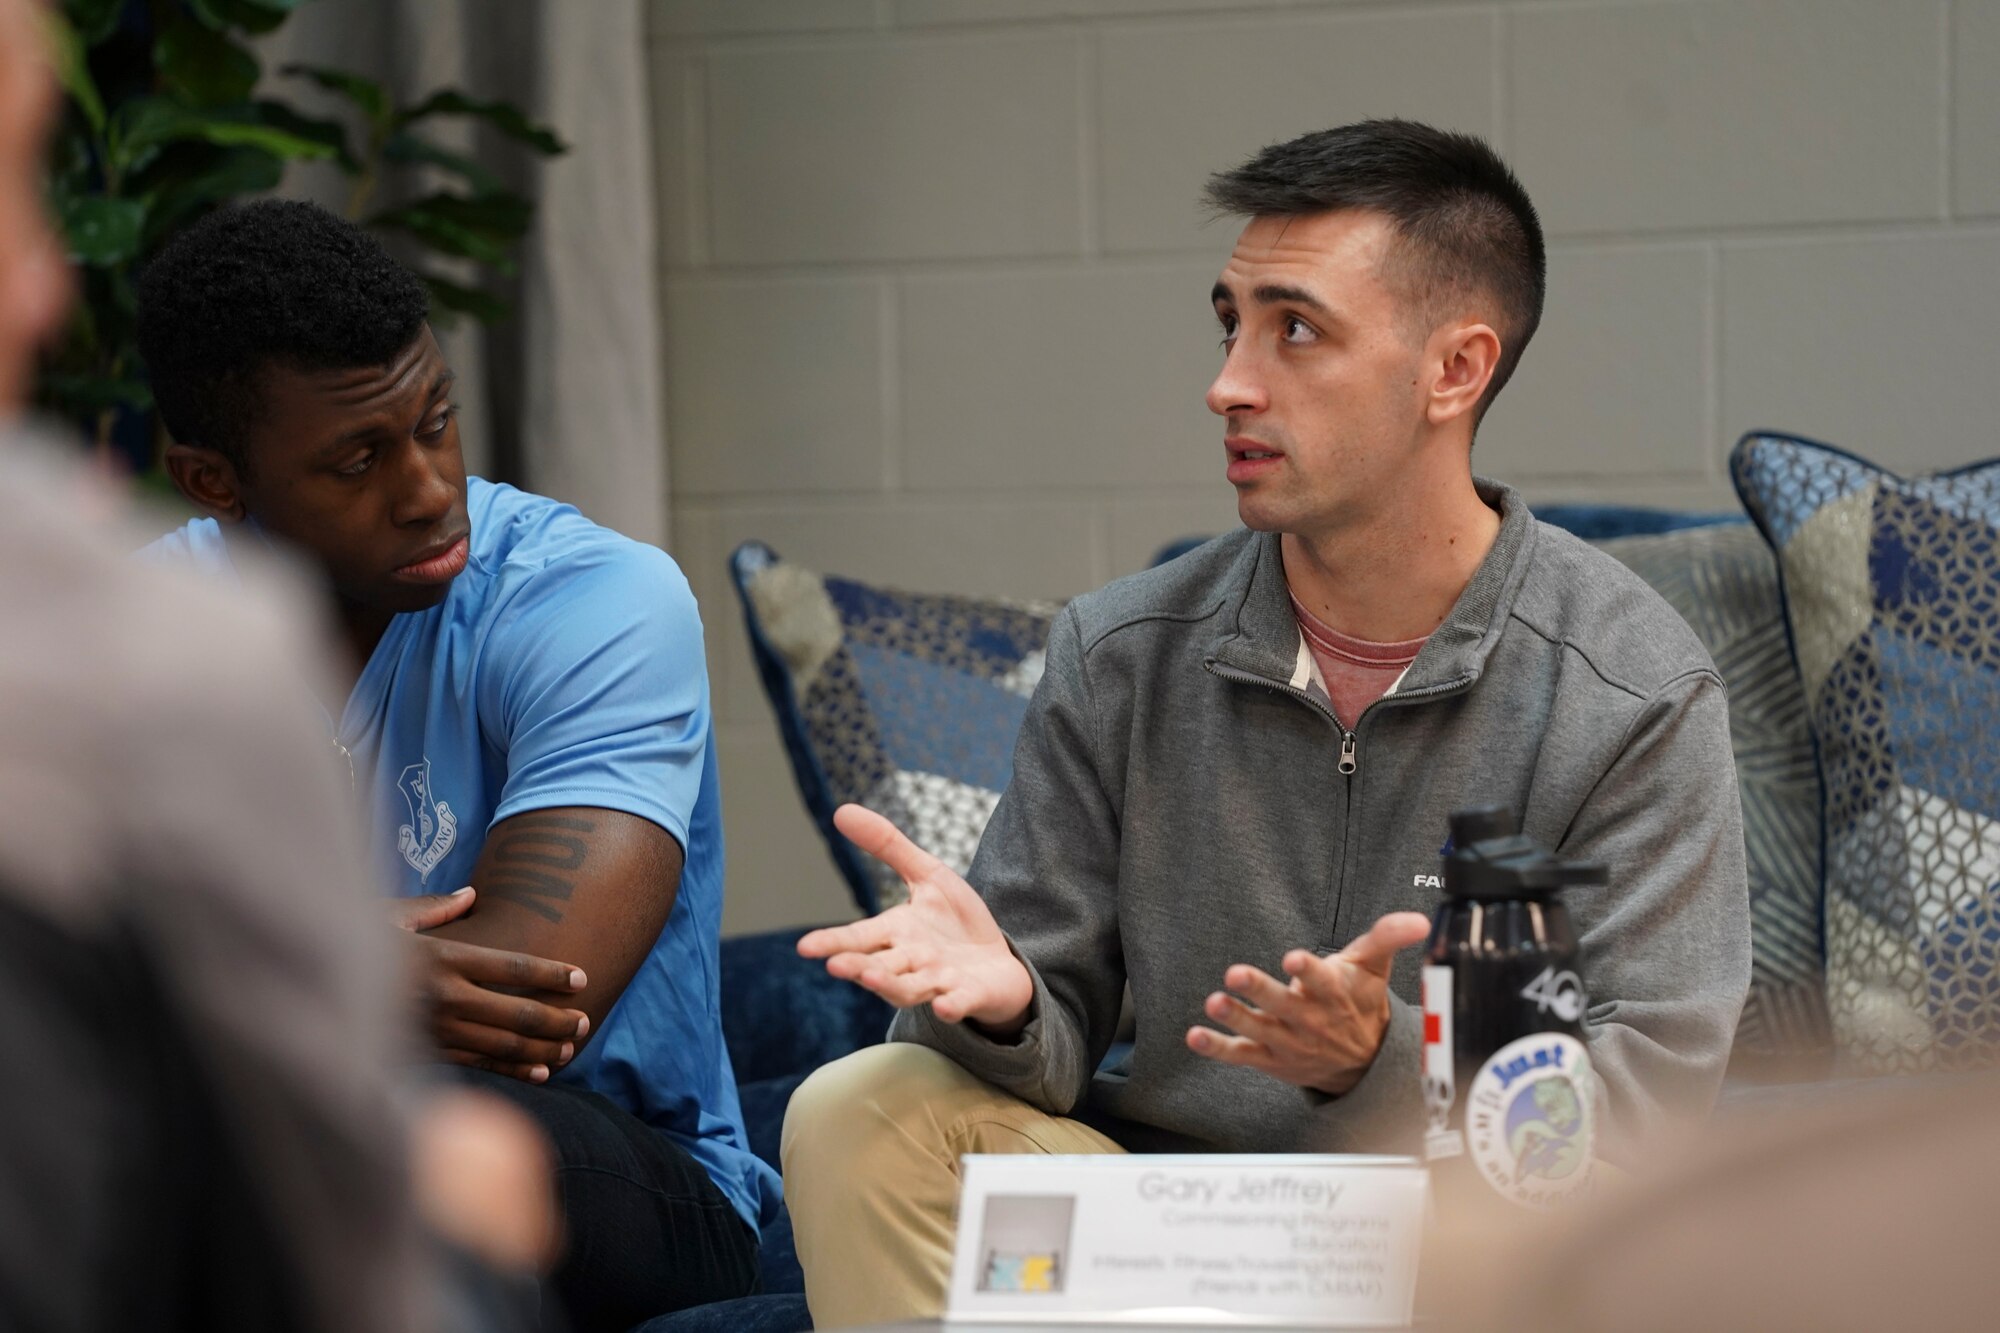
{"points": [[537, 861]]}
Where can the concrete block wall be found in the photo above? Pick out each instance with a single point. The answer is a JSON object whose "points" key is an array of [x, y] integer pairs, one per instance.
{"points": [[936, 274]]}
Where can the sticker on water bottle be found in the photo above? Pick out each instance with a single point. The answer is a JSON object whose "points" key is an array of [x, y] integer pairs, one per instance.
{"points": [[1440, 1081], [1530, 1121]]}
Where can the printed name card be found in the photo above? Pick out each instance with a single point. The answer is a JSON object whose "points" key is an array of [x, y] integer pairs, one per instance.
{"points": [[1217, 1240]]}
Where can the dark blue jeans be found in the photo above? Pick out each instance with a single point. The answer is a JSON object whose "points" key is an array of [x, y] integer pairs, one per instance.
{"points": [[647, 1232]]}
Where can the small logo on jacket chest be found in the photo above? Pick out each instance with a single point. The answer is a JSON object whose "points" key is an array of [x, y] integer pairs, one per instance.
{"points": [[433, 829]]}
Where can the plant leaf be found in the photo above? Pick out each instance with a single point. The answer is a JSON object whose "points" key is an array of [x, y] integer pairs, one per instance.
{"points": [[102, 231], [503, 116], [453, 237], [79, 341], [252, 16], [73, 68], [329, 132], [149, 122], [94, 20], [481, 305], [70, 166], [481, 227], [76, 394], [406, 149], [232, 173], [502, 214], [371, 97], [203, 66]]}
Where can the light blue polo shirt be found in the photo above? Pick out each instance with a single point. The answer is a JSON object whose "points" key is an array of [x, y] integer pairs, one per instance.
{"points": [[564, 668]]}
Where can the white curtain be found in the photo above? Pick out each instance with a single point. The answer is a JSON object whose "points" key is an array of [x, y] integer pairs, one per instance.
{"points": [[565, 398]]}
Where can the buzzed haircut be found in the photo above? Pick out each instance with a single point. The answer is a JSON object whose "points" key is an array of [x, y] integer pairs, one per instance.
{"points": [[271, 284], [1466, 226]]}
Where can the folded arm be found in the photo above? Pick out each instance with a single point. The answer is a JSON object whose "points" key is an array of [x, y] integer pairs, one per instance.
{"points": [[602, 711], [564, 905]]}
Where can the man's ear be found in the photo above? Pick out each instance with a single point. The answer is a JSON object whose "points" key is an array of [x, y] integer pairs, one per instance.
{"points": [[208, 480], [1466, 356]]}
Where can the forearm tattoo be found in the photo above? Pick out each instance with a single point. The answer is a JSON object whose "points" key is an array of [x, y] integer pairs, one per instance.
{"points": [[537, 861]]}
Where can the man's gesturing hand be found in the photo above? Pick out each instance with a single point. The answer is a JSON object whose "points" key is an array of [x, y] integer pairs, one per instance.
{"points": [[940, 948], [1322, 1031], [480, 1002]]}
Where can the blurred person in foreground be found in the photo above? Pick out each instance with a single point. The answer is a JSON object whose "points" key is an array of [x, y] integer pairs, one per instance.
{"points": [[522, 702], [1233, 779], [198, 1128], [1851, 1209]]}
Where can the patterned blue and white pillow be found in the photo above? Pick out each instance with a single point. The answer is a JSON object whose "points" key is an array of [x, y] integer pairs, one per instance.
{"points": [[905, 702], [1892, 592]]}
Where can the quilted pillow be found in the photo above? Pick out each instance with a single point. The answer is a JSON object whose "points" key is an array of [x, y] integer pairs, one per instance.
{"points": [[1724, 582], [905, 702], [1892, 598]]}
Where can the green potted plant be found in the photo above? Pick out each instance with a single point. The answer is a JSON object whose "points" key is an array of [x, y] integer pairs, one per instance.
{"points": [[168, 115]]}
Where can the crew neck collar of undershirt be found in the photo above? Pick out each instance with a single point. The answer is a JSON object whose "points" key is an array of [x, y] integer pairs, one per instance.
{"points": [[1360, 652]]}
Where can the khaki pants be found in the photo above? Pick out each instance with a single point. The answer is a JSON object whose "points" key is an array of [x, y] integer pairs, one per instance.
{"points": [[871, 1151]]}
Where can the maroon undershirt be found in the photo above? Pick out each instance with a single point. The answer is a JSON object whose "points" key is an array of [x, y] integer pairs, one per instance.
{"points": [[1354, 671]]}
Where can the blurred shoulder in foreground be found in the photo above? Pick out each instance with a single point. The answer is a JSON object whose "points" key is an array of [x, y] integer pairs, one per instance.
{"points": [[1858, 1208], [197, 1128]]}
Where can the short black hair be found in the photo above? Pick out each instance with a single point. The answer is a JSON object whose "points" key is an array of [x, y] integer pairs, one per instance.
{"points": [[274, 283], [1466, 223]]}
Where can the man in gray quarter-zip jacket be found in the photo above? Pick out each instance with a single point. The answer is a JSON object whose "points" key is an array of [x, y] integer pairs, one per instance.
{"points": [[1232, 784]]}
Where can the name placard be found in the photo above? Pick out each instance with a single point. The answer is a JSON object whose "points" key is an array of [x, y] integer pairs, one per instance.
{"points": [[1217, 1240]]}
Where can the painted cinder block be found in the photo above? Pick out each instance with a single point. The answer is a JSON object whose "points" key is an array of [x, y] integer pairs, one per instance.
{"points": [[1615, 382], [677, 19], [1651, 117], [1140, 527], [1866, 344], [917, 13], [895, 148], [1710, 496], [778, 872], [1178, 102], [1975, 120], [775, 383], [1061, 379]]}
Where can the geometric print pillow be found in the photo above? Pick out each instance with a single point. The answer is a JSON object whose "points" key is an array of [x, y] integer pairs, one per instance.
{"points": [[1892, 598], [905, 702]]}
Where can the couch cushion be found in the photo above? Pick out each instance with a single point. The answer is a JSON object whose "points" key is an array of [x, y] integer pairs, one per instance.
{"points": [[782, 1015], [1892, 596], [905, 702], [1724, 582]]}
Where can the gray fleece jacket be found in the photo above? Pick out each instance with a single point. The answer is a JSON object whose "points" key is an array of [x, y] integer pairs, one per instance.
{"points": [[1180, 802]]}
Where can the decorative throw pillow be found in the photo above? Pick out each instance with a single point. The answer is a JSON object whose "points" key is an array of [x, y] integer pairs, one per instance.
{"points": [[1724, 582], [1892, 592], [905, 702]]}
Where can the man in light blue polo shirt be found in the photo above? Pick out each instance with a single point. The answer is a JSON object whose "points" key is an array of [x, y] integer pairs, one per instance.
{"points": [[528, 716]]}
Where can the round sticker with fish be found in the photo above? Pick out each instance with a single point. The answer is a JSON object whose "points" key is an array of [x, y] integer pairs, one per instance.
{"points": [[1530, 1122]]}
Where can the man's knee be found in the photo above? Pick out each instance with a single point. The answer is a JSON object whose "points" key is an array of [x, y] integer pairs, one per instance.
{"points": [[895, 1089], [584, 1130]]}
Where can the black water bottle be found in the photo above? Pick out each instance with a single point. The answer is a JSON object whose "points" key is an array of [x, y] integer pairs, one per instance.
{"points": [[1507, 1087]]}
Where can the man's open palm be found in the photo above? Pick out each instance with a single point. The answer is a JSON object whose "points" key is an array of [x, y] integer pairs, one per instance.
{"points": [[941, 948], [1323, 1028]]}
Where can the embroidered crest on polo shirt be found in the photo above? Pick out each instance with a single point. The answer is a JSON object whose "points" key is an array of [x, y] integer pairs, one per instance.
{"points": [[433, 829]]}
